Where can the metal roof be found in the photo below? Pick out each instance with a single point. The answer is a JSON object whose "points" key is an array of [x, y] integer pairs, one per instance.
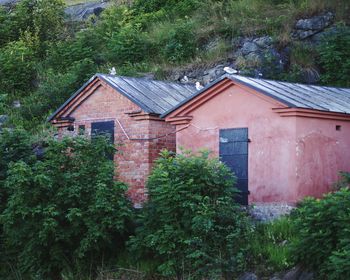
{"points": [[152, 96], [293, 95]]}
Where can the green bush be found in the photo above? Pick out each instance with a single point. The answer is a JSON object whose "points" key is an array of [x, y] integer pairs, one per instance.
{"points": [[334, 58], [191, 223], [128, 45], [17, 67], [179, 43], [322, 227], [65, 212]]}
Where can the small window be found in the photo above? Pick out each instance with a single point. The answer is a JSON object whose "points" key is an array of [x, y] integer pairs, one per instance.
{"points": [[338, 127], [81, 129], [70, 128]]}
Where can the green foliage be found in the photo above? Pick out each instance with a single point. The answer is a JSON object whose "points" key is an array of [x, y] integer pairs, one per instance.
{"points": [[17, 67], [54, 88], [14, 146], [128, 45], [191, 223], [179, 44], [65, 209], [322, 227], [334, 58], [44, 18], [269, 247], [177, 7]]}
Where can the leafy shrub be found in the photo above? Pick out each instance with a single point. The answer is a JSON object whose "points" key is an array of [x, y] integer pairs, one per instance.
{"points": [[14, 146], [191, 223], [322, 227], [179, 43], [334, 58], [127, 45], [65, 211], [17, 67]]}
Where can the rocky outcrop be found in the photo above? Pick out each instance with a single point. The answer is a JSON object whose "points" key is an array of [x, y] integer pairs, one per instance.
{"points": [[81, 12], [296, 273], [8, 2], [78, 12], [306, 28], [257, 57], [261, 57]]}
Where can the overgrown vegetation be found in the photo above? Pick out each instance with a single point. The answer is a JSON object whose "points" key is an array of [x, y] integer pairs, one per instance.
{"points": [[43, 59], [191, 224], [323, 243], [62, 212], [270, 246]]}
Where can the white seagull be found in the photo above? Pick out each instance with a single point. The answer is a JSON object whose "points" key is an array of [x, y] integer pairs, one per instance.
{"points": [[230, 70], [184, 79], [112, 71], [199, 86]]}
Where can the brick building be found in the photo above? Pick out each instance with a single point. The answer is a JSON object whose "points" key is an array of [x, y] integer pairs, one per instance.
{"points": [[128, 109]]}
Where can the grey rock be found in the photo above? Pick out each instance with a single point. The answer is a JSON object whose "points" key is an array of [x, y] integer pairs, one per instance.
{"points": [[81, 12], [305, 34], [249, 47], [212, 44], [8, 2], [16, 104], [3, 119], [306, 276], [263, 42], [248, 276], [318, 37], [315, 23], [293, 274], [266, 212]]}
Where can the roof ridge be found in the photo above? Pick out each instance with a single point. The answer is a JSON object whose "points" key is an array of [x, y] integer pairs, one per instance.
{"points": [[146, 79]]}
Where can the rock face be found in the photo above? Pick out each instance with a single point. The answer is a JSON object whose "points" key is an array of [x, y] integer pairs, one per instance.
{"points": [[8, 2], [259, 57], [305, 28], [81, 12], [251, 56], [77, 12], [248, 276], [204, 75]]}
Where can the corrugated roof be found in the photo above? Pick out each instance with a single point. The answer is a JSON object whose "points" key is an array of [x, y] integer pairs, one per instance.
{"points": [[293, 95], [152, 96]]}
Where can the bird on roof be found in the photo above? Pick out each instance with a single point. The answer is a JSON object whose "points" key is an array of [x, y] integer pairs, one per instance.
{"points": [[199, 86], [230, 70], [112, 71], [184, 79]]}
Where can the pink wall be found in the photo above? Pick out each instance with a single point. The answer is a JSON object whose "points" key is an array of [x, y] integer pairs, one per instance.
{"points": [[321, 152], [288, 157]]}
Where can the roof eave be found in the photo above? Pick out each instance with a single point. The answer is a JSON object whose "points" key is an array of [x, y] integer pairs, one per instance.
{"points": [[54, 114]]}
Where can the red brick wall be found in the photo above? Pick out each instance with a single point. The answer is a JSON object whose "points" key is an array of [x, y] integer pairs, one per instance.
{"points": [[135, 157]]}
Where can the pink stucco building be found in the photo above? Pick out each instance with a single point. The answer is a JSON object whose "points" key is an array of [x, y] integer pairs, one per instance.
{"points": [[284, 141]]}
